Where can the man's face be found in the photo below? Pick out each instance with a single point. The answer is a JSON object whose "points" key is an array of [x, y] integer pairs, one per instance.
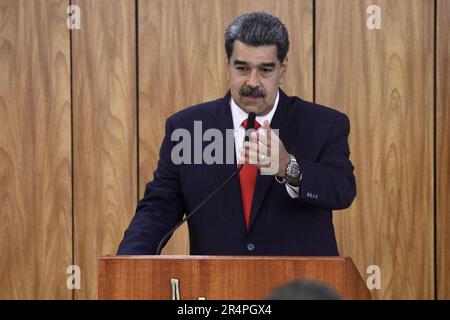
{"points": [[255, 74]]}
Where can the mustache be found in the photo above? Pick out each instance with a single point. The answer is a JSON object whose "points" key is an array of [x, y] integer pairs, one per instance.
{"points": [[252, 92]]}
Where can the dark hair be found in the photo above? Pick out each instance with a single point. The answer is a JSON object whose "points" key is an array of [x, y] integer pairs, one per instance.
{"points": [[304, 290], [256, 29]]}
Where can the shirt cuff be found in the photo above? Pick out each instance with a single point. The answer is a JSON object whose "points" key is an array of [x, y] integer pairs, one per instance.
{"points": [[292, 191]]}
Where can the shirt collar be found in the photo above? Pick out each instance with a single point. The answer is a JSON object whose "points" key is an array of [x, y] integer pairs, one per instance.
{"points": [[239, 115]]}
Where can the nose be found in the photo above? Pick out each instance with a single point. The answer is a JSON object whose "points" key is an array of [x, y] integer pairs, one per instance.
{"points": [[253, 80]]}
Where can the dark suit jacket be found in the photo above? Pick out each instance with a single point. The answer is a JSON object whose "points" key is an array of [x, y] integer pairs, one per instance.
{"points": [[280, 225]]}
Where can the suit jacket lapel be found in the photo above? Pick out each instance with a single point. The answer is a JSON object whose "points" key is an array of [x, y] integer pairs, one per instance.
{"points": [[281, 121], [232, 191]]}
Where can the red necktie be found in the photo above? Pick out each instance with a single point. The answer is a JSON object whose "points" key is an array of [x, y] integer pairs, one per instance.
{"points": [[247, 178]]}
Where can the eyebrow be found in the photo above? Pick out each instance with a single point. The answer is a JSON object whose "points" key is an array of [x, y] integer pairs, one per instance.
{"points": [[239, 62], [244, 63], [268, 64]]}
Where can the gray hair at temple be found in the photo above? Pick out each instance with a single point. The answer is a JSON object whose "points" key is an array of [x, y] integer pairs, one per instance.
{"points": [[257, 29]]}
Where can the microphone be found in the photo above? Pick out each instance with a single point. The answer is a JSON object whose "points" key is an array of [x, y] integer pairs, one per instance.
{"points": [[250, 125]]}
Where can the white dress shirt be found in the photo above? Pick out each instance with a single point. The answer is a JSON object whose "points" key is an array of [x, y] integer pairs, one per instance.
{"points": [[239, 132]]}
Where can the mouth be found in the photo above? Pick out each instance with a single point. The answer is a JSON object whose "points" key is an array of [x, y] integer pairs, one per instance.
{"points": [[244, 97]]}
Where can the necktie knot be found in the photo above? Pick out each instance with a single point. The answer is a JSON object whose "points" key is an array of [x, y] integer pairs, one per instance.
{"points": [[257, 124]]}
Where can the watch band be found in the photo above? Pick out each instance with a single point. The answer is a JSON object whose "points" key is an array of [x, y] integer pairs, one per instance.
{"points": [[282, 181]]}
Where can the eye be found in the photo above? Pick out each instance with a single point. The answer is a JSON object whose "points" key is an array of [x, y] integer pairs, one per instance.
{"points": [[266, 70], [241, 68]]}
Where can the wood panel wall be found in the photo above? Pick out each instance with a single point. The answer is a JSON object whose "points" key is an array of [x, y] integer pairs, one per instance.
{"points": [[383, 79], [104, 133], [182, 62], [82, 117], [443, 147], [35, 150]]}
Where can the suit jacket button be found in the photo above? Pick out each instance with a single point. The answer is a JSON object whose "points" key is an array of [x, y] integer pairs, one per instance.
{"points": [[251, 247]]}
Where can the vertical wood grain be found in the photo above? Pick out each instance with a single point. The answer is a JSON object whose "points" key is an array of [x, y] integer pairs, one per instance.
{"points": [[35, 150], [443, 147], [104, 118], [383, 79], [182, 62]]}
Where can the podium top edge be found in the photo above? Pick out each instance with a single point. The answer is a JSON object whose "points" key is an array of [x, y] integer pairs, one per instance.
{"points": [[193, 257]]}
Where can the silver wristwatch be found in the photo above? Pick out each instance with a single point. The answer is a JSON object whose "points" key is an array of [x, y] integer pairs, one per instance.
{"points": [[292, 170]]}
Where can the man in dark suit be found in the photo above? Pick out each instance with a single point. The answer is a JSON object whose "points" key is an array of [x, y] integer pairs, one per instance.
{"points": [[281, 201]]}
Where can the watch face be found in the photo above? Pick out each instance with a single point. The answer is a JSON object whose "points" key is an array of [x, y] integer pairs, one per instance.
{"points": [[293, 170]]}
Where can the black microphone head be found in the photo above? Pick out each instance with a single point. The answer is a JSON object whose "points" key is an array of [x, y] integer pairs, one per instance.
{"points": [[250, 125], [251, 121]]}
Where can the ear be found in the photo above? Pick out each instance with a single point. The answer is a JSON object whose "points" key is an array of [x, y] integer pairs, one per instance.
{"points": [[283, 67], [227, 68]]}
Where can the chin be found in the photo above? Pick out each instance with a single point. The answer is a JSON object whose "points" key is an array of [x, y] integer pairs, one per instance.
{"points": [[256, 110]]}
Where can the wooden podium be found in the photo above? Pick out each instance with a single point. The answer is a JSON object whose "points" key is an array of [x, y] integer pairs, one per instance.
{"points": [[219, 277]]}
